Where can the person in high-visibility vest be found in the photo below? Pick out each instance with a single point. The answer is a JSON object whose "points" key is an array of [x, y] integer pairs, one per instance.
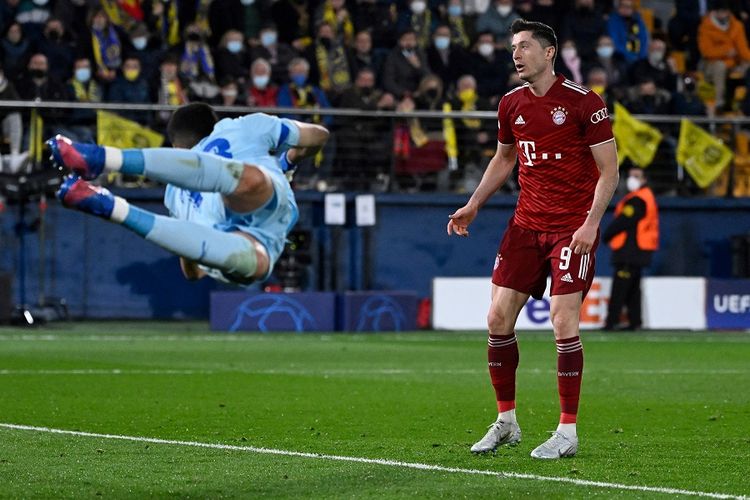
{"points": [[633, 236]]}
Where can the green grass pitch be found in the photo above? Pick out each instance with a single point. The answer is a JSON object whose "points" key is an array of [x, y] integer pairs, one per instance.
{"points": [[659, 412]]}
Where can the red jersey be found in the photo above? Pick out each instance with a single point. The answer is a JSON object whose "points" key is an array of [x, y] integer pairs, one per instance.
{"points": [[553, 135]]}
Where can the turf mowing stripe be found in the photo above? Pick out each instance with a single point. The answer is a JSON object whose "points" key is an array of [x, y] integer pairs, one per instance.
{"points": [[376, 461], [346, 372]]}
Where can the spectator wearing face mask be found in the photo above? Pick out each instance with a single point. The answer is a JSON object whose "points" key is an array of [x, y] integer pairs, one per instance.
{"points": [[37, 84], [170, 89], [446, 60], [462, 30], [686, 101], [497, 18], [329, 64], [723, 45], [83, 88], [611, 62], [197, 66], [585, 23], [657, 66], [421, 19], [628, 31], [491, 67], [229, 95], [58, 48], [361, 143], [130, 87], [106, 48], [146, 48], [336, 15], [262, 92], [277, 53], [380, 19], [223, 16], [405, 66], [232, 57], [300, 93]]}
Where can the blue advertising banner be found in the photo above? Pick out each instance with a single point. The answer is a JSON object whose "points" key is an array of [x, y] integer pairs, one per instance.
{"points": [[273, 312], [378, 311], [728, 304]]}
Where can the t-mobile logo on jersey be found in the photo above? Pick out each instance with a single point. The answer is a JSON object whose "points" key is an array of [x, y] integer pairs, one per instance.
{"points": [[529, 151]]}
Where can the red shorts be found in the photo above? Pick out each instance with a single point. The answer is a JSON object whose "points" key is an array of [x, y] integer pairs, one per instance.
{"points": [[525, 259]]}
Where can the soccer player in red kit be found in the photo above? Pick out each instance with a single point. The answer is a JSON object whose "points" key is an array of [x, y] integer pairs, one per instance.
{"points": [[561, 136]]}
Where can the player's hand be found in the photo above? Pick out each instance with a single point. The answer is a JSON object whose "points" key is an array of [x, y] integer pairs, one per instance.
{"points": [[460, 220], [583, 239]]}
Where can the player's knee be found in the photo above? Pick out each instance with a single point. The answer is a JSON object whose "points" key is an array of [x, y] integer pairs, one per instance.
{"points": [[564, 322], [498, 322]]}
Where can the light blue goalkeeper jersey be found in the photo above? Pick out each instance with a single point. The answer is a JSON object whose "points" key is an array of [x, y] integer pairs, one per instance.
{"points": [[255, 139]]}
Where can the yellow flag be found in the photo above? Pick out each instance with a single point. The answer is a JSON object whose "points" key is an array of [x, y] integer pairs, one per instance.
{"points": [[635, 139], [115, 131], [703, 155]]}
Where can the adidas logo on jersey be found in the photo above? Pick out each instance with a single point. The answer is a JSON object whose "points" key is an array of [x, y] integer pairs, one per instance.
{"points": [[520, 120], [567, 278]]}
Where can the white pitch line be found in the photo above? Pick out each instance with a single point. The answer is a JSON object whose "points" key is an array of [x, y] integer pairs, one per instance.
{"points": [[377, 461]]}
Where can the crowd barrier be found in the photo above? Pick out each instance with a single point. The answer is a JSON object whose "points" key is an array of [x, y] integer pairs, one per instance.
{"points": [[239, 311], [669, 303]]}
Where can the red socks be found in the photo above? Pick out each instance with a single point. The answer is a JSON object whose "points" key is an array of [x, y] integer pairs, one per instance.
{"points": [[569, 374], [502, 359]]}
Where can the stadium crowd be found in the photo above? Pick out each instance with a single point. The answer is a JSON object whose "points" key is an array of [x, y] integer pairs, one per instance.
{"points": [[403, 55]]}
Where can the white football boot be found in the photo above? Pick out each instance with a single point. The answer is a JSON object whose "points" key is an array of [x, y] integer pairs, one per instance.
{"points": [[499, 432], [558, 446]]}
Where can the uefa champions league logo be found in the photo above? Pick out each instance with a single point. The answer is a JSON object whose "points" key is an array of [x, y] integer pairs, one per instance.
{"points": [[273, 312], [381, 313]]}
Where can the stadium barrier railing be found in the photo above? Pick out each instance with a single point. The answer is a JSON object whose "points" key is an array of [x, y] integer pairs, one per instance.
{"points": [[381, 151]]}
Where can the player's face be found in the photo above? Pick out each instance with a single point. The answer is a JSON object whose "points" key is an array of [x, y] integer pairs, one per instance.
{"points": [[529, 57]]}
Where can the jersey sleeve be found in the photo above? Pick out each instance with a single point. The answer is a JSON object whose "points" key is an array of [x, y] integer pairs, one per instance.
{"points": [[597, 127], [504, 132], [277, 133]]}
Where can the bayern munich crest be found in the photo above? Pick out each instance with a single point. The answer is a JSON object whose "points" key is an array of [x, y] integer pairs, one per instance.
{"points": [[559, 114]]}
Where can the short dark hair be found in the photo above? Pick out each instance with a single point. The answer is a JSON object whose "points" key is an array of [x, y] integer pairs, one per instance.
{"points": [[191, 123], [539, 31]]}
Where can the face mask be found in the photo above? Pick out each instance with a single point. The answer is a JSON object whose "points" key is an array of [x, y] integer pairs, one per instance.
{"points": [[299, 80], [569, 53], [455, 10], [365, 91], [261, 81], [467, 94], [41, 3], [140, 42], [229, 93], [37, 73], [234, 46], [655, 57], [486, 49], [418, 7], [247, 2], [268, 38], [442, 42], [504, 10], [431, 94], [54, 35], [131, 74], [193, 37], [407, 52], [633, 183], [83, 74], [599, 89], [605, 51], [326, 43]]}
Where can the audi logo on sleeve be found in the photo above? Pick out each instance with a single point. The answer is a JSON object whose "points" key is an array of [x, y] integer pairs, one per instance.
{"points": [[600, 115]]}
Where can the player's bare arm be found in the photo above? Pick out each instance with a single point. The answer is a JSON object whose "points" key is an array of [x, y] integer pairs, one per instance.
{"points": [[499, 169], [605, 156], [312, 137], [190, 269]]}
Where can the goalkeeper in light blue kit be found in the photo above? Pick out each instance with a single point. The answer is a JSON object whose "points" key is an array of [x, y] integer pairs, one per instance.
{"points": [[230, 202]]}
